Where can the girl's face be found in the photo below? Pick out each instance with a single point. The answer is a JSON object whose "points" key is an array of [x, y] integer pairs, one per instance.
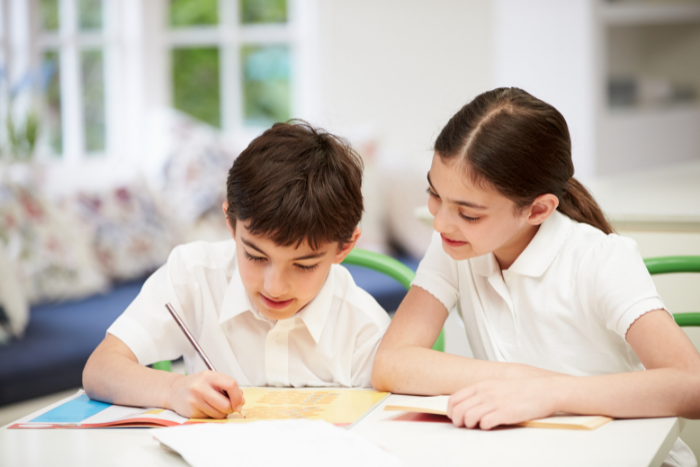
{"points": [[474, 220]]}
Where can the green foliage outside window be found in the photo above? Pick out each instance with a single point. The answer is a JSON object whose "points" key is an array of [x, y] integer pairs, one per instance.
{"points": [[193, 13], [266, 87], [263, 11], [90, 14], [49, 14], [92, 71], [196, 83]]}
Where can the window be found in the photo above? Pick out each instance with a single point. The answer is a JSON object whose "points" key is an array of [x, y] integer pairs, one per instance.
{"points": [[76, 51], [99, 66], [232, 61]]}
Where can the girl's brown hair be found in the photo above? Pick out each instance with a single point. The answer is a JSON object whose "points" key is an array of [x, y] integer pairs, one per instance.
{"points": [[521, 146]]}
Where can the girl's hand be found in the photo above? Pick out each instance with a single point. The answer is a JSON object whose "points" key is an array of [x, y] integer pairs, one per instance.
{"points": [[201, 395], [488, 404]]}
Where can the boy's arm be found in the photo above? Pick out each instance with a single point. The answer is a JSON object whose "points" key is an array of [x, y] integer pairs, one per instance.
{"points": [[113, 374], [406, 364]]}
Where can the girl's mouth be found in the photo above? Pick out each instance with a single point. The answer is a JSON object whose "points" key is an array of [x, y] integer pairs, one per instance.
{"points": [[452, 243], [275, 304]]}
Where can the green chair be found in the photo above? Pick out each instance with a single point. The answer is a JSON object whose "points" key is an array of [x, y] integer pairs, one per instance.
{"points": [[392, 268], [676, 264], [370, 260]]}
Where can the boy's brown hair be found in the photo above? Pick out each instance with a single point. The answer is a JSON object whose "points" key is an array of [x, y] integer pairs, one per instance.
{"points": [[296, 182]]}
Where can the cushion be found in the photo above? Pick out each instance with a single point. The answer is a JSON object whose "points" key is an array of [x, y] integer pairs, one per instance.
{"points": [[131, 236], [51, 251], [14, 310]]}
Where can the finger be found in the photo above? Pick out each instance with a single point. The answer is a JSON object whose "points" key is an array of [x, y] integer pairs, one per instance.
{"points": [[216, 399], [209, 411], [459, 409], [460, 396], [473, 416], [491, 420], [233, 392]]}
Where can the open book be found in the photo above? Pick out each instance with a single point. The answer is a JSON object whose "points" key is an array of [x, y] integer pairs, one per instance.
{"points": [[339, 406], [437, 405]]}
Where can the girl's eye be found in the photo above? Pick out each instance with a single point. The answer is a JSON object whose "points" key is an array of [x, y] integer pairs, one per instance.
{"points": [[255, 259], [432, 193], [468, 219], [307, 268]]}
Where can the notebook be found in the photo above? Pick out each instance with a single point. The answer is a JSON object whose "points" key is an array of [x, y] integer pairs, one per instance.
{"points": [[437, 405], [339, 406]]}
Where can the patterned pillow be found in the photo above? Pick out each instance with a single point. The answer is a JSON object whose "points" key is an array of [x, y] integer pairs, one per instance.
{"points": [[51, 251], [131, 235], [187, 165], [14, 310]]}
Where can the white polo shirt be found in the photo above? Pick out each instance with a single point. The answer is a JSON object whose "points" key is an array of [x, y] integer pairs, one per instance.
{"points": [[564, 305], [330, 342]]}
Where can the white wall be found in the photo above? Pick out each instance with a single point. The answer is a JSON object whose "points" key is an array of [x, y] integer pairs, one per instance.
{"points": [[405, 66]]}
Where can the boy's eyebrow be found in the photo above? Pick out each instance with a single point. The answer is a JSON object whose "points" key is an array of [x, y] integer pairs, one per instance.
{"points": [[301, 258], [468, 204]]}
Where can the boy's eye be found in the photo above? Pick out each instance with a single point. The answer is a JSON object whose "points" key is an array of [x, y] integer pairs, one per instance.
{"points": [[307, 268], [468, 219], [432, 193], [255, 259]]}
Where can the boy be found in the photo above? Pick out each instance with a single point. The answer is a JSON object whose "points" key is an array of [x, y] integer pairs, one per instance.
{"points": [[271, 307]]}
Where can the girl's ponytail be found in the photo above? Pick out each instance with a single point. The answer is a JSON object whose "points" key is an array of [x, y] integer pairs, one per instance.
{"points": [[522, 147], [579, 205]]}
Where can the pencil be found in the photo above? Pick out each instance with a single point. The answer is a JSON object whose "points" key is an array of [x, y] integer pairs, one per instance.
{"points": [[194, 343]]}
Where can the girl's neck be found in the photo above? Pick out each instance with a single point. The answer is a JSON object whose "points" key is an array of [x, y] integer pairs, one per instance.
{"points": [[508, 253]]}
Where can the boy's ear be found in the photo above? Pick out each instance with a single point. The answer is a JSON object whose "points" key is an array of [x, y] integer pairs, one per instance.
{"points": [[542, 208], [346, 248], [231, 228]]}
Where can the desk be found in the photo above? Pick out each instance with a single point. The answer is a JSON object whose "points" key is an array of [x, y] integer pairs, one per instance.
{"points": [[621, 442]]}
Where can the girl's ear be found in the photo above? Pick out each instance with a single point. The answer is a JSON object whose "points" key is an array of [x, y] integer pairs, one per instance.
{"points": [[346, 248], [542, 208]]}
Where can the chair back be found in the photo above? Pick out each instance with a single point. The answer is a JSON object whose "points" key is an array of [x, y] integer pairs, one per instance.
{"points": [[392, 268], [676, 264]]}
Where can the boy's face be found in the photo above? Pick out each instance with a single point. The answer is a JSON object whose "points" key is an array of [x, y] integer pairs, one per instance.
{"points": [[281, 280]]}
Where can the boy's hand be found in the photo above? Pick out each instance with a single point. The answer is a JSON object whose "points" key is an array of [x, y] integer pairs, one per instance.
{"points": [[201, 395], [488, 404]]}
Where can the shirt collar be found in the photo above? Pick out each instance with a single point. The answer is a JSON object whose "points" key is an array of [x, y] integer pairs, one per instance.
{"points": [[539, 253], [235, 298], [314, 314]]}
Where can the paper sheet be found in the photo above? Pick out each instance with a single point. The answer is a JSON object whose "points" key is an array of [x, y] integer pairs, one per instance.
{"points": [[291, 443]]}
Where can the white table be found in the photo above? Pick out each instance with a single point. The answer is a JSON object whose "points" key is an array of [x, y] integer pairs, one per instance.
{"points": [[622, 442]]}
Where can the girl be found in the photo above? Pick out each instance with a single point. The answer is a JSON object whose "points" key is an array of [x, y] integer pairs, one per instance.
{"points": [[561, 314]]}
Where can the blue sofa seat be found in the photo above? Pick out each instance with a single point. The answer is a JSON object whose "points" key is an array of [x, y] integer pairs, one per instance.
{"points": [[60, 337]]}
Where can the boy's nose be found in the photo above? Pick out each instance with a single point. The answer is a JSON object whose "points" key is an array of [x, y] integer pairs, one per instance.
{"points": [[275, 283]]}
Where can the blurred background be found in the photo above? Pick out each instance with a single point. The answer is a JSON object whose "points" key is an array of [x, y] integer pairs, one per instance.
{"points": [[120, 119]]}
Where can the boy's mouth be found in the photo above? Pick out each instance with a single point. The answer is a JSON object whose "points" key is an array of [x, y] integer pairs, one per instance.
{"points": [[275, 304], [452, 243]]}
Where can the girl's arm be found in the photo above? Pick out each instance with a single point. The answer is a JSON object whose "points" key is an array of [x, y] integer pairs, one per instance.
{"points": [[406, 364], [113, 374], [670, 386]]}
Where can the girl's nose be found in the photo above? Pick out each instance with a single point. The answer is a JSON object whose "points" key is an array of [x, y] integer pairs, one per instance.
{"points": [[441, 221]]}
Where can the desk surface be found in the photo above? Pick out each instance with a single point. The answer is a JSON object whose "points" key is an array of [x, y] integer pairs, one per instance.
{"points": [[621, 442]]}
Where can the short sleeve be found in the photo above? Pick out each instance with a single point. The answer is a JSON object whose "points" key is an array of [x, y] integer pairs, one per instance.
{"points": [[366, 346], [438, 274], [146, 327], [618, 284]]}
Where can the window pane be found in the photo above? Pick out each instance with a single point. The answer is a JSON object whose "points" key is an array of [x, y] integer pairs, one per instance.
{"points": [[266, 89], [51, 84], [193, 12], [263, 11], [49, 15], [90, 14], [196, 83], [92, 71]]}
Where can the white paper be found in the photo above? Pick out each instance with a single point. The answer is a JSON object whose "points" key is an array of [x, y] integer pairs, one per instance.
{"points": [[436, 403], [290, 443]]}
